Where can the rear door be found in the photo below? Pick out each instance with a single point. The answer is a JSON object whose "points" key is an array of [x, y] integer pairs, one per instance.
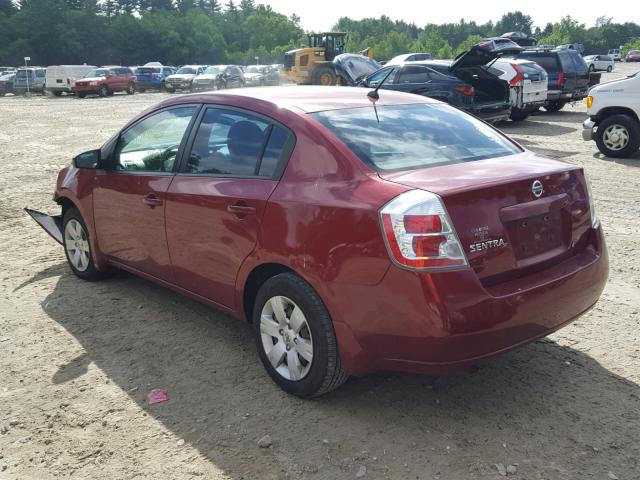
{"points": [[129, 197], [216, 202]]}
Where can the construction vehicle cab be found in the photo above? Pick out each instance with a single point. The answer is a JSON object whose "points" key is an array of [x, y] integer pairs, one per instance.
{"points": [[313, 65]]}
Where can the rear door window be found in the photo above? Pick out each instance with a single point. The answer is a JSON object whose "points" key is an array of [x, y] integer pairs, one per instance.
{"points": [[413, 74], [235, 143], [548, 62], [375, 79]]}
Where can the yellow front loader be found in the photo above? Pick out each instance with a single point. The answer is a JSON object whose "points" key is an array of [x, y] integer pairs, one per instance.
{"points": [[313, 65]]}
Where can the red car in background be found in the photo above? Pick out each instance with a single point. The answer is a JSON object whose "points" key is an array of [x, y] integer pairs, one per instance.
{"points": [[633, 56], [403, 235], [106, 81]]}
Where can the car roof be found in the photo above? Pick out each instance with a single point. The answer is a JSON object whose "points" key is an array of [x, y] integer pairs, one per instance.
{"points": [[304, 99]]}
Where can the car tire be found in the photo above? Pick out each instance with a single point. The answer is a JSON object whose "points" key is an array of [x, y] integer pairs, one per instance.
{"points": [[77, 247], [617, 146], [518, 115], [323, 75], [592, 68], [554, 106], [104, 91], [131, 89], [170, 89], [141, 89], [57, 93], [292, 326], [81, 94], [609, 69]]}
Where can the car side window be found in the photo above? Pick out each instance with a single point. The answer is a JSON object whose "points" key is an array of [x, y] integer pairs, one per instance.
{"points": [[413, 74], [152, 144], [229, 142]]}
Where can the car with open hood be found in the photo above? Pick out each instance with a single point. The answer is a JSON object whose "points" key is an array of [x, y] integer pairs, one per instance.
{"points": [[183, 78], [353, 230]]}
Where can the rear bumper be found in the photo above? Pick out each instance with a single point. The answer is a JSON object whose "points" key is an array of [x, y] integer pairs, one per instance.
{"points": [[431, 323], [61, 88], [491, 113], [587, 129]]}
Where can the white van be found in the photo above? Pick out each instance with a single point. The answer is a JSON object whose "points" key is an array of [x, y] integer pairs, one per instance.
{"points": [[60, 78]]}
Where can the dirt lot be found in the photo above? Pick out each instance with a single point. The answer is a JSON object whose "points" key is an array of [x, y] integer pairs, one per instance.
{"points": [[77, 359]]}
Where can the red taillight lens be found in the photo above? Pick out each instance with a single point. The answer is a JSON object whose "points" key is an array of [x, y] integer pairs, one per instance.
{"points": [[419, 234], [468, 91], [560, 79], [519, 76]]}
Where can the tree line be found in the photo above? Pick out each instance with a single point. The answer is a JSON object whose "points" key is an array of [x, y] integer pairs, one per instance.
{"points": [[176, 32]]}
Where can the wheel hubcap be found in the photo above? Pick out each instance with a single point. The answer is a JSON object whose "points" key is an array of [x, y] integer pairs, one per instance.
{"points": [[325, 79], [77, 245], [286, 338], [615, 137]]}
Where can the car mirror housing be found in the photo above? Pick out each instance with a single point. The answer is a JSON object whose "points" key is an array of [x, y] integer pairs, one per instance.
{"points": [[88, 159]]}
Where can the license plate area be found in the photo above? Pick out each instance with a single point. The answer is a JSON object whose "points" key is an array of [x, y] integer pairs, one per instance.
{"points": [[536, 235]]}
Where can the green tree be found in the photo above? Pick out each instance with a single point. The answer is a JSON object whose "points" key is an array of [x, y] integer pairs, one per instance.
{"points": [[514, 22]]}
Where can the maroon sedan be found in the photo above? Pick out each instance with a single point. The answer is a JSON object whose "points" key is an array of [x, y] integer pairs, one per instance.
{"points": [[633, 56], [403, 235]]}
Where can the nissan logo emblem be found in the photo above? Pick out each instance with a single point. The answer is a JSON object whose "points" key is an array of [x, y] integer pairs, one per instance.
{"points": [[536, 188]]}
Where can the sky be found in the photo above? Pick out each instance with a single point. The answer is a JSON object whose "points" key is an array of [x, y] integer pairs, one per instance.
{"points": [[319, 15]]}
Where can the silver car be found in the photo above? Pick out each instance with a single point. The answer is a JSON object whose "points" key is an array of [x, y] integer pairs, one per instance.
{"points": [[600, 63]]}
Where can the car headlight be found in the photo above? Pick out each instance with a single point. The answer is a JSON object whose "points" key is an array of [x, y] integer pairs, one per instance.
{"points": [[93, 84]]}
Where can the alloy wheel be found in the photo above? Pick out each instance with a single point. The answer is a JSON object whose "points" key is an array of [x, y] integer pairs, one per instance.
{"points": [[77, 245], [286, 338]]}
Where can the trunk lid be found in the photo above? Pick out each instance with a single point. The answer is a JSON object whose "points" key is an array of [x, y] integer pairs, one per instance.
{"points": [[485, 51], [506, 230]]}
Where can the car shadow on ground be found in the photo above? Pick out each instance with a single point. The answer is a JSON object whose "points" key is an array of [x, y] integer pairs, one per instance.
{"points": [[534, 127], [632, 161], [562, 116], [525, 406]]}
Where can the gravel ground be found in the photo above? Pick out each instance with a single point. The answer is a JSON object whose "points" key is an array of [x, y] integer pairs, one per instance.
{"points": [[77, 359]]}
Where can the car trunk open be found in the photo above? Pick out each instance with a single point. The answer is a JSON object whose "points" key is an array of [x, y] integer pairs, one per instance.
{"points": [[505, 230]]}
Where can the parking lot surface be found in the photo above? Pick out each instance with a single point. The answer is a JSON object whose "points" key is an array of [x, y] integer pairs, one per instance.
{"points": [[78, 359]]}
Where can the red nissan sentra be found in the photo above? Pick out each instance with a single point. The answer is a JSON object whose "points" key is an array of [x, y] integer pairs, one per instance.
{"points": [[403, 234]]}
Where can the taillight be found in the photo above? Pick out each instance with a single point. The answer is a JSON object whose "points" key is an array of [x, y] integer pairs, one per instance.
{"points": [[560, 79], [468, 91], [419, 234], [519, 76]]}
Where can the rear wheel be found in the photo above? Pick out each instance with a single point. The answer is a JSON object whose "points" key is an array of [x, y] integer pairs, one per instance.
{"points": [[81, 94], [295, 338], [77, 246], [323, 75], [609, 68], [104, 91], [555, 106], [518, 115], [618, 136]]}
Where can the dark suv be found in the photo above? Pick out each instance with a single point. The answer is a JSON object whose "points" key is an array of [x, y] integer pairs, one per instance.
{"points": [[568, 75]]}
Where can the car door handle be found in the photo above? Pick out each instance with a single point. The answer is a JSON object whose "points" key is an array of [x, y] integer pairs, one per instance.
{"points": [[241, 209], [152, 200]]}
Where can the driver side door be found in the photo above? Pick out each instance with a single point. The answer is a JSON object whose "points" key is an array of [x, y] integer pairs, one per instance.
{"points": [[129, 195]]}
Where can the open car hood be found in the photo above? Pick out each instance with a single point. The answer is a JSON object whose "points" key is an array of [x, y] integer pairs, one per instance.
{"points": [[485, 51], [351, 66]]}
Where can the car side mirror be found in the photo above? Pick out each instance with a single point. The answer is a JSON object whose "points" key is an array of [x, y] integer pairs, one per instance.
{"points": [[88, 159]]}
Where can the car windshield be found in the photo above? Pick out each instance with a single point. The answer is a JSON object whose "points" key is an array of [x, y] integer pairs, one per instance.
{"points": [[213, 70], [415, 136], [186, 70], [24, 74], [634, 52], [253, 69], [98, 72]]}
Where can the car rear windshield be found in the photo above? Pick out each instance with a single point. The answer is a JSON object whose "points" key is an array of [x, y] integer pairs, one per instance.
{"points": [[415, 136], [145, 70], [24, 74], [547, 61]]}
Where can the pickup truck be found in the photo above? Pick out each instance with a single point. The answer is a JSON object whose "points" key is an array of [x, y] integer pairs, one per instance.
{"points": [[614, 117]]}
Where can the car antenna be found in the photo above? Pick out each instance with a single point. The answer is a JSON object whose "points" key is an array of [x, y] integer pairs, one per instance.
{"points": [[373, 95]]}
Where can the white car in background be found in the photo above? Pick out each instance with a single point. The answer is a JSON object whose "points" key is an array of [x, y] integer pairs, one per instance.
{"points": [[60, 79], [616, 54], [600, 63], [528, 84], [409, 57]]}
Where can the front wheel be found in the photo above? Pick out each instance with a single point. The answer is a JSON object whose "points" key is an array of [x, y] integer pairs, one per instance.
{"points": [[323, 75], [618, 136], [295, 338], [131, 89], [609, 69], [104, 91], [77, 246], [592, 68], [81, 94]]}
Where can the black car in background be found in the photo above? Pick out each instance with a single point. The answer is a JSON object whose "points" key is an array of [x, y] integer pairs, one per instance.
{"points": [[464, 83], [568, 75]]}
